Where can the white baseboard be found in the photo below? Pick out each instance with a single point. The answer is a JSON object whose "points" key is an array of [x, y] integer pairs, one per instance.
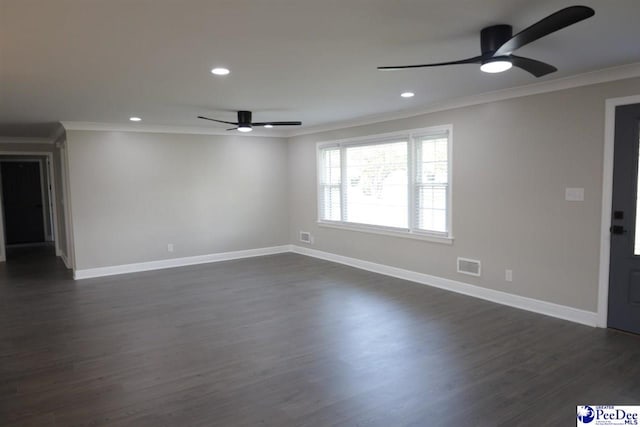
{"points": [[537, 306], [177, 262], [564, 312]]}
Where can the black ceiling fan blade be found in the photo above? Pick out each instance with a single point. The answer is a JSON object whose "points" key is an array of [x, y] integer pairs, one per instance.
{"points": [[537, 68], [277, 123], [215, 120], [552, 23], [232, 129], [474, 60]]}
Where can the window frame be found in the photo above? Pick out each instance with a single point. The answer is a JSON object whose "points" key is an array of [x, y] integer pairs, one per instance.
{"points": [[412, 137]]}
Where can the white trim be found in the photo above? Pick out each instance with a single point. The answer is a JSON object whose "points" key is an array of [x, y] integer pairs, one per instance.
{"points": [[65, 260], [66, 206], [590, 78], [537, 306], [177, 262], [382, 138], [43, 189], [607, 199], [24, 140], [57, 134], [180, 130], [387, 231]]}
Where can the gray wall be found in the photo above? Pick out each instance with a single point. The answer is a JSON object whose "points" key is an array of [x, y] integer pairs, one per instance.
{"points": [[133, 193], [512, 161]]}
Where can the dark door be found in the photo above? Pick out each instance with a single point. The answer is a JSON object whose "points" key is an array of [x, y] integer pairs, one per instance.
{"points": [[22, 199], [624, 276]]}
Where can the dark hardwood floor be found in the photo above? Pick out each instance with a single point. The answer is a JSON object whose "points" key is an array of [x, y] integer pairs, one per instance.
{"points": [[287, 340]]}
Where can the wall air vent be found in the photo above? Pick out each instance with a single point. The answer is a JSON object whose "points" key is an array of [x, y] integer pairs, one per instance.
{"points": [[471, 267], [305, 237]]}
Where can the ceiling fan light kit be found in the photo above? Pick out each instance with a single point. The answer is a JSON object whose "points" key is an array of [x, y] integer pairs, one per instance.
{"points": [[496, 65]]}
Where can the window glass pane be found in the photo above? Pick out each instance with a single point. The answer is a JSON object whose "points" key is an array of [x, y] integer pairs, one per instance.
{"points": [[330, 202], [433, 219], [434, 172], [377, 184], [331, 166], [433, 197], [432, 181]]}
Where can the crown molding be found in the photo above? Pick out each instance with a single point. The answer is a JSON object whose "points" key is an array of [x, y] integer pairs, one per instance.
{"points": [[184, 130], [24, 140], [58, 133], [585, 79]]}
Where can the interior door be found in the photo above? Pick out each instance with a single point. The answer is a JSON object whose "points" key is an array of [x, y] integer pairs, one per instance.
{"points": [[22, 200], [624, 276]]}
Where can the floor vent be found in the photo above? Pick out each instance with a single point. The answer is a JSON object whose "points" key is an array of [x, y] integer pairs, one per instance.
{"points": [[471, 267], [305, 237]]}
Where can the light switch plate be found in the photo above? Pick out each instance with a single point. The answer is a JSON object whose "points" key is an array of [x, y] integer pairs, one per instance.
{"points": [[574, 194]]}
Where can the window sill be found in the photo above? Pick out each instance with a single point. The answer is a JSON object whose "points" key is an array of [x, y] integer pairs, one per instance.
{"points": [[447, 240]]}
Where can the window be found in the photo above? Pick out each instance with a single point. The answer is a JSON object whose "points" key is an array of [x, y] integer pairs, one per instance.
{"points": [[395, 183]]}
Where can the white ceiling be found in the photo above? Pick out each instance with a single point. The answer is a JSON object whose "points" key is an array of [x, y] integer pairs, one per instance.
{"points": [[309, 60]]}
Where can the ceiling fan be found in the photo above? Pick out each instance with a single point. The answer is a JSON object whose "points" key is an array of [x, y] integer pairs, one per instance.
{"points": [[244, 123], [498, 44]]}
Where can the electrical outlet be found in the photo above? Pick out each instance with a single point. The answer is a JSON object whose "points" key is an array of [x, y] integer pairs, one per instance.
{"points": [[170, 247], [508, 275]]}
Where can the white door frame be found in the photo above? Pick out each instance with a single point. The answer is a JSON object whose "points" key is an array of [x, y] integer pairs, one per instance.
{"points": [[68, 256], [54, 207], [607, 200]]}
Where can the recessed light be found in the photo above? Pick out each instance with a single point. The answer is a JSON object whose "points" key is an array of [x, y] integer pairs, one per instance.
{"points": [[219, 71], [135, 119], [407, 94], [244, 129], [268, 126], [496, 66]]}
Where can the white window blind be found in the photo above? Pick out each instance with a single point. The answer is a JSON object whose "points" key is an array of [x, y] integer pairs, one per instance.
{"points": [[432, 183], [376, 184], [388, 182], [330, 181]]}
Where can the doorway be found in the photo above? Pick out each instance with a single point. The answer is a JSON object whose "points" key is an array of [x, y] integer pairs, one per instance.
{"points": [[23, 201], [624, 264], [27, 205]]}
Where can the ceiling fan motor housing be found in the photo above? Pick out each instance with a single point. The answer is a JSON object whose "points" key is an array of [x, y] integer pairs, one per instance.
{"points": [[491, 38], [244, 118]]}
